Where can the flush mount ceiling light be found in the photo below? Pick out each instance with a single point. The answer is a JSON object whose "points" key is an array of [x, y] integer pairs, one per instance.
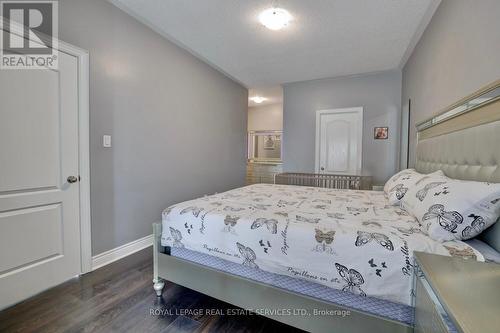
{"points": [[275, 18], [258, 99]]}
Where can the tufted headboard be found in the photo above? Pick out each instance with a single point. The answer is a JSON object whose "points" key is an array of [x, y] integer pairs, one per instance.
{"points": [[464, 142]]}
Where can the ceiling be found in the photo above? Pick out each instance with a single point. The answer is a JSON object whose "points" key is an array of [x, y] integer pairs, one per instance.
{"points": [[327, 38]]}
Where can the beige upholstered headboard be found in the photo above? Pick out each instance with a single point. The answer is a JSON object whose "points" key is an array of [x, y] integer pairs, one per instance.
{"points": [[464, 142]]}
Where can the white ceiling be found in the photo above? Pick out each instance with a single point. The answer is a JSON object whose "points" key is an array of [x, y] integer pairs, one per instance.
{"points": [[327, 38]]}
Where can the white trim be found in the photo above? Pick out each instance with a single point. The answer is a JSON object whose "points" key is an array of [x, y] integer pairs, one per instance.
{"points": [[84, 162], [120, 252], [83, 142], [84, 152], [319, 113]]}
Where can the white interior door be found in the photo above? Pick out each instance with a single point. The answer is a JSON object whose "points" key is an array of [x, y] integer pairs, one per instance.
{"points": [[339, 140], [39, 204]]}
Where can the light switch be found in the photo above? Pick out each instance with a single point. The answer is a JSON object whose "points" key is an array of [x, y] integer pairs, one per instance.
{"points": [[106, 141]]}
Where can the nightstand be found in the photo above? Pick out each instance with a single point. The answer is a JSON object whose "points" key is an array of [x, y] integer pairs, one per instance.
{"points": [[456, 295]]}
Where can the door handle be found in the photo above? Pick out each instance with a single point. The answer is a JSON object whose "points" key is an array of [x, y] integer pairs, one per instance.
{"points": [[322, 169], [72, 179]]}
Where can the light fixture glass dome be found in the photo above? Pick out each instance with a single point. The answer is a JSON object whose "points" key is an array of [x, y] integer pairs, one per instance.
{"points": [[275, 18], [258, 99]]}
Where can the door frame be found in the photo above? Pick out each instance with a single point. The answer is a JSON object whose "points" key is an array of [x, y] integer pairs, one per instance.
{"points": [[319, 113], [83, 151], [82, 57]]}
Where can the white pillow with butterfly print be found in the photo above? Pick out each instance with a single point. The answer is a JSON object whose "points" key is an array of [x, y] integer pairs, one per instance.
{"points": [[393, 181], [401, 182], [451, 209]]}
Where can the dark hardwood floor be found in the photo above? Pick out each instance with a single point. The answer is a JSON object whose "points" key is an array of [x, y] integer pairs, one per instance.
{"points": [[120, 298]]}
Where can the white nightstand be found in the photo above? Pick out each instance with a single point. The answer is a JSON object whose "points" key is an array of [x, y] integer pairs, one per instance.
{"points": [[456, 295]]}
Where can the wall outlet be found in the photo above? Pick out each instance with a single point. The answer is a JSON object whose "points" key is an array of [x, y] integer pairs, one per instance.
{"points": [[106, 141]]}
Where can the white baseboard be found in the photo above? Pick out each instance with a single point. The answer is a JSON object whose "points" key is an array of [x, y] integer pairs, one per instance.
{"points": [[120, 252]]}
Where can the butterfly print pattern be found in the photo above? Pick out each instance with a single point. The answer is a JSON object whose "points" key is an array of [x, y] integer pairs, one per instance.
{"points": [[368, 223], [421, 180], [324, 239], [378, 269], [265, 246], [443, 192], [167, 211], [282, 214], [324, 201], [399, 175], [231, 220], [308, 220], [188, 227], [283, 203], [476, 227], [271, 224], [233, 209], [467, 253], [230, 223], [248, 256], [196, 211], [366, 237], [352, 278], [301, 236], [177, 237], [447, 220], [410, 231], [421, 194], [372, 263], [260, 206], [356, 211], [338, 216], [400, 191]]}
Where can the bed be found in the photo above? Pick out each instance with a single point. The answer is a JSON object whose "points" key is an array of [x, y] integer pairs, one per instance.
{"points": [[324, 251]]}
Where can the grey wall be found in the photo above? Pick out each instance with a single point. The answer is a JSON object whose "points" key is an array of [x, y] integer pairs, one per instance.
{"points": [[266, 117], [458, 54], [178, 126], [379, 94]]}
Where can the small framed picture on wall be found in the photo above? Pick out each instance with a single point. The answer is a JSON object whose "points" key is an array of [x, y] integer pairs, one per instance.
{"points": [[381, 133]]}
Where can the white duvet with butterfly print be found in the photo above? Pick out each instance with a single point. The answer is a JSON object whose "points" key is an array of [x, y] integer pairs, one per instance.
{"points": [[349, 240]]}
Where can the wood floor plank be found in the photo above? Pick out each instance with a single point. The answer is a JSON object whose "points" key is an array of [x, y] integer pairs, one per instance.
{"points": [[182, 325], [119, 298]]}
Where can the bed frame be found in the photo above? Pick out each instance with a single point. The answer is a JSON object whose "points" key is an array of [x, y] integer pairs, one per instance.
{"points": [[463, 141], [250, 294], [324, 180]]}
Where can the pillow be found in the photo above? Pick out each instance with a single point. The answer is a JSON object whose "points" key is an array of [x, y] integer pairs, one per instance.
{"points": [[398, 185], [393, 180], [451, 209]]}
